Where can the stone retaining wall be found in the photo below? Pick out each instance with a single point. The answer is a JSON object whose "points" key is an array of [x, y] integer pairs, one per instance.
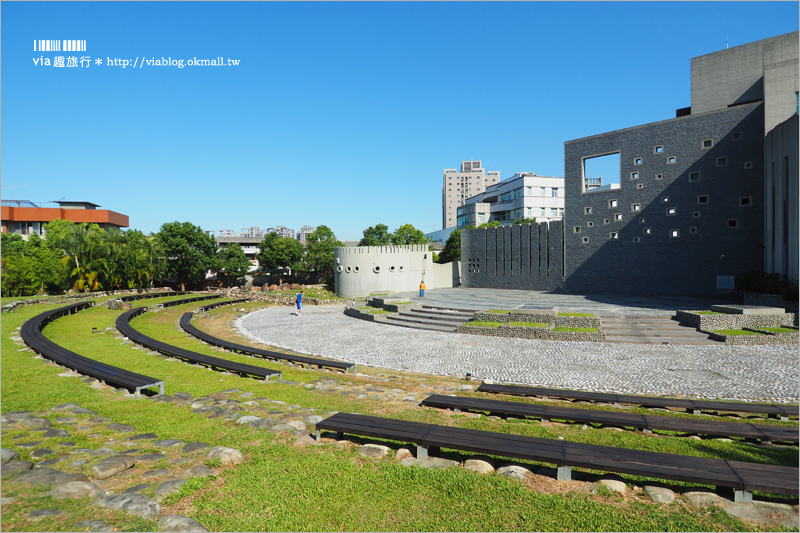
{"points": [[278, 299], [365, 315], [768, 338], [522, 332], [771, 300], [728, 321], [540, 316]]}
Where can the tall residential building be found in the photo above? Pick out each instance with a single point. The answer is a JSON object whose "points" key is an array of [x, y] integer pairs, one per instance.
{"points": [[523, 195], [282, 231], [458, 186], [304, 232]]}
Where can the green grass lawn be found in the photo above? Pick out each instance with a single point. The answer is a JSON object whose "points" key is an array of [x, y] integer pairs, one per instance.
{"points": [[780, 330], [483, 324], [283, 487], [730, 332]]}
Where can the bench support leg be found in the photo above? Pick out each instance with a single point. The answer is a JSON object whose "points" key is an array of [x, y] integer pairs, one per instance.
{"points": [[693, 411], [648, 431], [422, 452], [784, 418], [319, 437], [564, 473], [742, 496], [456, 410]]}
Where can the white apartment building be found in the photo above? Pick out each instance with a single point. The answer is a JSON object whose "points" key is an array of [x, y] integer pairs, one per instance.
{"points": [[304, 232], [524, 195], [282, 231], [457, 187]]}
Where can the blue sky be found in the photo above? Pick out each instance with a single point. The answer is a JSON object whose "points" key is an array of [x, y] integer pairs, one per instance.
{"points": [[343, 114]]}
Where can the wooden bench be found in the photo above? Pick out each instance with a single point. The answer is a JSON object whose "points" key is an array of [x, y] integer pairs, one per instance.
{"points": [[186, 324], [765, 434], [31, 333], [743, 477], [784, 411], [124, 327]]}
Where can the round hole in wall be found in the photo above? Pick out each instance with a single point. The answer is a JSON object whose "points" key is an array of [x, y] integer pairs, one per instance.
{"points": [[347, 269], [339, 268], [355, 269], [401, 269], [391, 268], [376, 269]]}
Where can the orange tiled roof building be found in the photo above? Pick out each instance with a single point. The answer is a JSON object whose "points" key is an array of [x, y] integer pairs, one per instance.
{"points": [[26, 218]]}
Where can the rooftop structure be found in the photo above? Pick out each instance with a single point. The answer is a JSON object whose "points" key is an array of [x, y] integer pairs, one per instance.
{"points": [[26, 218], [457, 187]]}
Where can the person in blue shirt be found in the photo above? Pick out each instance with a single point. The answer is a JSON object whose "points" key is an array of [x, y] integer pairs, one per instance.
{"points": [[299, 302]]}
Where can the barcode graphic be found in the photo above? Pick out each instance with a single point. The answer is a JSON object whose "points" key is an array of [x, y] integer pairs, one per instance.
{"points": [[55, 45]]}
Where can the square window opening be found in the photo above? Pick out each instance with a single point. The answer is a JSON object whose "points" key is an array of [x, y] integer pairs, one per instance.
{"points": [[587, 210], [576, 229], [702, 199], [618, 216], [637, 161], [693, 230], [636, 207], [736, 135], [748, 164], [612, 203], [695, 214], [647, 231], [671, 160], [671, 211], [590, 224], [634, 175], [640, 186], [585, 240], [601, 170], [636, 239], [613, 235], [746, 200], [708, 143], [665, 199], [722, 161], [658, 149], [694, 176], [659, 176], [674, 233], [733, 223]]}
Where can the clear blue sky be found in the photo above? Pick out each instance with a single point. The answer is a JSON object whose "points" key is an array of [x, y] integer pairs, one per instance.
{"points": [[343, 114]]}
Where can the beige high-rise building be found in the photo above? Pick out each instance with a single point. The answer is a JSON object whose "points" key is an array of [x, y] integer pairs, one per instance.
{"points": [[458, 186]]}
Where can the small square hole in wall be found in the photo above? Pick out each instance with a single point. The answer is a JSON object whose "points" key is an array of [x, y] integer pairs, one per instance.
{"points": [[636, 239], [612, 203], [637, 161], [639, 186], [748, 164], [722, 161], [693, 230], [590, 224], [665, 199], [618, 216], [576, 229], [695, 214], [674, 233], [671, 211], [746, 200], [708, 143], [736, 135], [641, 220], [613, 235], [587, 210], [636, 207], [658, 149], [585, 240], [606, 221], [634, 175], [671, 159], [647, 231], [659, 176], [733, 223], [694, 176], [702, 199]]}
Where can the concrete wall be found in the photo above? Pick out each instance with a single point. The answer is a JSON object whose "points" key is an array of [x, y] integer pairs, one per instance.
{"points": [[361, 270], [525, 256], [644, 258], [781, 199], [781, 79]]}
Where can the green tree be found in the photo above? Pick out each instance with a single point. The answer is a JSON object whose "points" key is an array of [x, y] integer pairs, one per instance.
{"points": [[377, 235], [524, 221], [408, 234], [233, 264], [452, 247], [492, 224], [319, 253], [280, 254], [189, 252], [46, 270]]}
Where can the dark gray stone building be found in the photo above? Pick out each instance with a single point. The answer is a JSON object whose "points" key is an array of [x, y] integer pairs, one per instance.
{"points": [[693, 201]]}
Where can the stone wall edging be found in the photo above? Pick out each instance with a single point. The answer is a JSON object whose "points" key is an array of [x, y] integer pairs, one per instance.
{"points": [[728, 321]]}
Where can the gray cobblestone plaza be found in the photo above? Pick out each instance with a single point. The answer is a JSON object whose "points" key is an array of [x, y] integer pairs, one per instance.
{"points": [[757, 373]]}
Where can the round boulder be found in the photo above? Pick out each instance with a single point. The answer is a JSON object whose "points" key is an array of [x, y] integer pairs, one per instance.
{"points": [[227, 456]]}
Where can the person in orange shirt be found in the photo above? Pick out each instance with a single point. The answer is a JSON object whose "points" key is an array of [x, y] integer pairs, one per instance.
{"points": [[422, 290]]}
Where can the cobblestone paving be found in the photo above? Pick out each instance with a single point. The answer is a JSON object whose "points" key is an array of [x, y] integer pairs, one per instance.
{"points": [[760, 373]]}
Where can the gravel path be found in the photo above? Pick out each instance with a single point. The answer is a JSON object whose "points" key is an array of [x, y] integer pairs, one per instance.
{"points": [[758, 373]]}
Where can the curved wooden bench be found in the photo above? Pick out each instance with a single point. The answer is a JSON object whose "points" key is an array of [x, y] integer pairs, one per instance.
{"points": [[743, 477], [692, 406], [186, 324], [124, 327], [31, 333], [764, 433]]}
